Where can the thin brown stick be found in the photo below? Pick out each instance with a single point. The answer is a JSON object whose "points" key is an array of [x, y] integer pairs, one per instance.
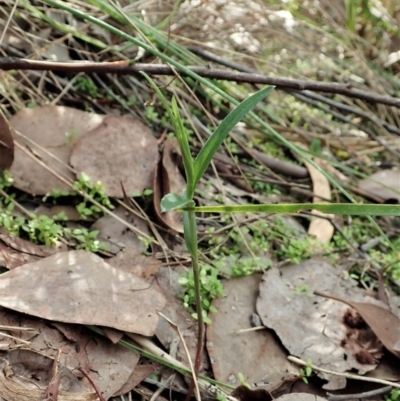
{"points": [[352, 376], [93, 384], [124, 67], [363, 395]]}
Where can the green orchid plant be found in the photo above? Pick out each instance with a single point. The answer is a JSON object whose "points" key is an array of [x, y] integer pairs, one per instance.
{"points": [[195, 169]]}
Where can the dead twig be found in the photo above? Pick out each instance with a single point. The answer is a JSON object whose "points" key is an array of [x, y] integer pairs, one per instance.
{"points": [[365, 394], [95, 388], [300, 362], [124, 67]]}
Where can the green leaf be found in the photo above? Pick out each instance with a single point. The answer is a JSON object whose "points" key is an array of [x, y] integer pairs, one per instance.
{"points": [[180, 131], [160, 95], [173, 201], [205, 155], [182, 137], [329, 208]]}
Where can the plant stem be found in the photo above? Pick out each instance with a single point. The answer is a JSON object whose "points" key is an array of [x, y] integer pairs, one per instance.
{"points": [[192, 236]]}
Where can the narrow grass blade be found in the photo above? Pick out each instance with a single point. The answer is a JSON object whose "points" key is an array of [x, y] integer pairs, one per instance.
{"points": [[183, 141], [205, 155], [66, 29], [180, 132], [160, 95], [329, 208]]}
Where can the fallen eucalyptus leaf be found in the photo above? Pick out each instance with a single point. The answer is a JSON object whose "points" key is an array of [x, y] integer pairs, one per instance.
{"points": [[79, 287]]}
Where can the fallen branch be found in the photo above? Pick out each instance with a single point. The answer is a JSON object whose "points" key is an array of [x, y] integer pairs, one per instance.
{"points": [[124, 67]]}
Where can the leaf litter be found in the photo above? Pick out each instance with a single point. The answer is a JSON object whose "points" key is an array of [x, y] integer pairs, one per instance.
{"points": [[384, 324], [230, 336], [109, 365], [143, 273], [97, 293], [116, 235], [321, 228], [16, 251], [51, 133], [168, 285], [128, 256], [167, 179], [326, 332], [119, 150]]}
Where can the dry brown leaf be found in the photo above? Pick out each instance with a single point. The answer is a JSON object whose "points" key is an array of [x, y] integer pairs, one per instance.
{"points": [[130, 260], [120, 150], [25, 374], [116, 235], [321, 229], [168, 179], [110, 365], [79, 287], [140, 373], [24, 246], [10, 258], [51, 393], [16, 252], [167, 282], [243, 393], [384, 184], [310, 326], [382, 322], [56, 129], [258, 355], [6, 145]]}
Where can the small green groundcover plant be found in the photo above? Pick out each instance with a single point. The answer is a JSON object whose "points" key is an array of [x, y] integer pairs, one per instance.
{"points": [[42, 229]]}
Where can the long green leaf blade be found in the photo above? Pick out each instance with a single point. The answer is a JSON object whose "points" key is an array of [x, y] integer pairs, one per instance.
{"points": [[176, 121], [181, 135], [205, 155], [329, 208]]}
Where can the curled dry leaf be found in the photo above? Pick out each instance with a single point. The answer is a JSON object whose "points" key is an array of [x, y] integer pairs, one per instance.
{"points": [[383, 184], [79, 287], [321, 229], [120, 150], [20, 366], [6, 145], [168, 179], [56, 129], [382, 322], [314, 327], [110, 365], [16, 251], [140, 373]]}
